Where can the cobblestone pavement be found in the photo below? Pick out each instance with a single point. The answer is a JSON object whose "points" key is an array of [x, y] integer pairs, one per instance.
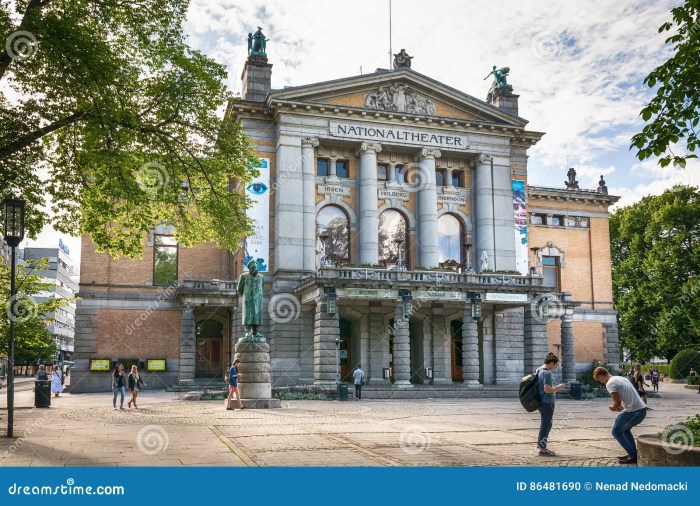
{"points": [[80, 430]]}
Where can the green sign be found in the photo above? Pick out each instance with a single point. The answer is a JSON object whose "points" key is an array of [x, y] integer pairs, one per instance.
{"points": [[99, 365], [156, 365]]}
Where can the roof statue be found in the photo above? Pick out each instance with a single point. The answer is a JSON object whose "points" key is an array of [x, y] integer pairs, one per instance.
{"points": [[257, 43], [602, 188], [571, 184], [500, 79], [402, 60]]}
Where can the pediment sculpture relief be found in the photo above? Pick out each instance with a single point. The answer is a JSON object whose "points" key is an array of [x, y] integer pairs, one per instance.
{"points": [[399, 98]]}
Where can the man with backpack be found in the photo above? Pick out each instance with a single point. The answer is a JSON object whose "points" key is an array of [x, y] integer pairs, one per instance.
{"points": [[547, 390]]}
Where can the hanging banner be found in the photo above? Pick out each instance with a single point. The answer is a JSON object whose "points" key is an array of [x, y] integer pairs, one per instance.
{"points": [[520, 215], [257, 246]]}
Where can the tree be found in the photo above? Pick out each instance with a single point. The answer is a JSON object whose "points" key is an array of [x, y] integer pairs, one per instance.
{"points": [[105, 110], [675, 108], [655, 249], [32, 341]]}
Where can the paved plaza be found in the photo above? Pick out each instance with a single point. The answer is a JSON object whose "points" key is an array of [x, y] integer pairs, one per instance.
{"points": [[84, 430]]}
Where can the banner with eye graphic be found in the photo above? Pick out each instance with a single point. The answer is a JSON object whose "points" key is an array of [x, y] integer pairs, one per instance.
{"points": [[257, 246]]}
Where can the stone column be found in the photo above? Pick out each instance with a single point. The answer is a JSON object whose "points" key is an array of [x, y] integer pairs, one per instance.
{"points": [[448, 176], [326, 331], [333, 166], [187, 345], [391, 173], [470, 349], [289, 208], [308, 144], [484, 238], [255, 383], [428, 248], [378, 347], [535, 339], [442, 354], [368, 219], [568, 366], [509, 347], [402, 348]]}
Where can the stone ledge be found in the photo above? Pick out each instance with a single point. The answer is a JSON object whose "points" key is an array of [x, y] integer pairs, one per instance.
{"points": [[653, 452]]}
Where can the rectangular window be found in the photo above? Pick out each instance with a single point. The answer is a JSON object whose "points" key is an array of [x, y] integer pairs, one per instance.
{"points": [[551, 272], [440, 178], [398, 177], [382, 171], [556, 221], [322, 167], [342, 168], [165, 260], [457, 179], [536, 219]]}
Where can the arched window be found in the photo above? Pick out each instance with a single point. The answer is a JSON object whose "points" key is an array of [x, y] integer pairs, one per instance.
{"points": [[450, 239], [333, 234], [392, 228]]}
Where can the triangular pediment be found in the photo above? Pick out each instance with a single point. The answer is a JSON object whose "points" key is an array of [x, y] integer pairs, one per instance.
{"points": [[401, 91]]}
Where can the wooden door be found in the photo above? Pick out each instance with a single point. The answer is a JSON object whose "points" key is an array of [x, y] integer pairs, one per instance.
{"points": [[456, 347], [208, 360]]}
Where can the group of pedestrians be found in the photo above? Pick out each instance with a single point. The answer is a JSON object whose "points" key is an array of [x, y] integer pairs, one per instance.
{"points": [[120, 382], [57, 378], [626, 399]]}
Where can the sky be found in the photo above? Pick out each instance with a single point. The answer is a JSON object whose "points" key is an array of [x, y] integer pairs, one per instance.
{"points": [[578, 68]]}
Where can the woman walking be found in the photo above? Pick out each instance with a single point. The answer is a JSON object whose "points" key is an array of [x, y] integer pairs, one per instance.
{"points": [[639, 382], [134, 385], [118, 386], [56, 381]]}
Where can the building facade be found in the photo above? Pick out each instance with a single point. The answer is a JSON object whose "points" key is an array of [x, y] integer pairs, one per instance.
{"points": [[395, 229], [62, 276]]}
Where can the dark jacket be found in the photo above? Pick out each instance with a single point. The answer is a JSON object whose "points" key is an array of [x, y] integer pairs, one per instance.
{"points": [[134, 380], [119, 381]]}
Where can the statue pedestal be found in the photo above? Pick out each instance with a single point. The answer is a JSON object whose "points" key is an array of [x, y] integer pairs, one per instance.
{"points": [[254, 382]]}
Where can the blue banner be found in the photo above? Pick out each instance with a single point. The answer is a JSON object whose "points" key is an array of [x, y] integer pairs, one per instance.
{"points": [[309, 486]]}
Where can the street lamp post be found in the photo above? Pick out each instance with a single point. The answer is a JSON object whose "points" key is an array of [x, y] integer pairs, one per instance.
{"points": [[399, 264], [14, 233]]}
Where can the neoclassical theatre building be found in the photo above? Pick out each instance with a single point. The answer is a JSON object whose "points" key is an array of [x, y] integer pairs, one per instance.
{"points": [[395, 229]]}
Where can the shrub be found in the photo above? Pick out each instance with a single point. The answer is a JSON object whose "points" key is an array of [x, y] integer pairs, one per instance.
{"points": [[682, 363], [688, 431], [304, 393], [693, 380], [590, 384], [664, 369]]}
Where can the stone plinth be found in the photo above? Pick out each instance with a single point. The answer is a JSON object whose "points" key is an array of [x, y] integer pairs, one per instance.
{"points": [[254, 381], [651, 451]]}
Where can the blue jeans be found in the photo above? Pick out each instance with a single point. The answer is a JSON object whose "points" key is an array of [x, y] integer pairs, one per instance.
{"points": [[622, 429], [546, 410], [118, 390]]}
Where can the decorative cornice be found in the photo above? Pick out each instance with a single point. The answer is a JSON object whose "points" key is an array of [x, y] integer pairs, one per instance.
{"points": [[309, 142]]}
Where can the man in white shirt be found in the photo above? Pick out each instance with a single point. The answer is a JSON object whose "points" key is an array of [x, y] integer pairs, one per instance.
{"points": [[358, 377], [626, 399]]}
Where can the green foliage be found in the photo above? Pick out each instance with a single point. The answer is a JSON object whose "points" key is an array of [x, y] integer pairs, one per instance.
{"points": [[655, 251], [32, 341], [683, 361], [304, 392], [674, 434], [664, 369], [693, 380], [672, 114], [589, 383], [120, 123]]}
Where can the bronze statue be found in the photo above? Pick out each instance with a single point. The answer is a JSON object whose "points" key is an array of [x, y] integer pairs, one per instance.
{"points": [[257, 43], [402, 60], [500, 79], [250, 286]]}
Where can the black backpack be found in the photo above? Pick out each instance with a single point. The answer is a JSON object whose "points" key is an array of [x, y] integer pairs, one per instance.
{"points": [[529, 392]]}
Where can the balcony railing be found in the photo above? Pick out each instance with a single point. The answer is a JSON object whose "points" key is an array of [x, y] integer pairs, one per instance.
{"points": [[389, 276], [214, 285]]}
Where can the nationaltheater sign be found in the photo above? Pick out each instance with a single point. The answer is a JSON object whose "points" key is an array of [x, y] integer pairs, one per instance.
{"points": [[398, 135]]}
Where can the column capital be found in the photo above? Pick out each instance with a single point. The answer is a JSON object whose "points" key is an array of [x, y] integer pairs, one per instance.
{"points": [[427, 153], [367, 147], [482, 159], [187, 306], [309, 142]]}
